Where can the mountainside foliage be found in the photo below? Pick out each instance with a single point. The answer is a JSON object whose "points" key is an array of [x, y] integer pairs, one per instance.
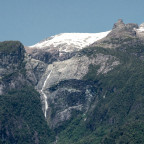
{"points": [[116, 114], [21, 118], [8, 47]]}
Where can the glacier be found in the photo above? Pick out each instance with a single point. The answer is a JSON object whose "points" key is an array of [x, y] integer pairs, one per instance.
{"points": [[67, 41]]}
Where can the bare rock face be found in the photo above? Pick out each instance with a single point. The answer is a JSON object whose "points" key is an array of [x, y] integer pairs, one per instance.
{"points": [[120, 24], [76, 68], [121, 30], [59, 83], [45, 55], [34, 69], [15, 71]]}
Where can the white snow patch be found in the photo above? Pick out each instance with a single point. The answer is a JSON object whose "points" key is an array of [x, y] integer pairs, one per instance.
{"points": [[141, 28], [77, 40]]}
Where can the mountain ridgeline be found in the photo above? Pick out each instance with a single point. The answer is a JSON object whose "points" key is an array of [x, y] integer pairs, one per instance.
{"points": [[74, 88]]}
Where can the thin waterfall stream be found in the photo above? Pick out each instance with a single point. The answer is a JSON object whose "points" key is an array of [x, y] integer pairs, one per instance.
{"points": [[44, 95]]}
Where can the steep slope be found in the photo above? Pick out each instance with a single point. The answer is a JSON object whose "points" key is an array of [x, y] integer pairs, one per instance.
{"points": [[21, 117], [72, 69]]}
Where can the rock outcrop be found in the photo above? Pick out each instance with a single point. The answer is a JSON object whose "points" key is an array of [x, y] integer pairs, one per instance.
{"points": [[14, 73], [122, 35]]}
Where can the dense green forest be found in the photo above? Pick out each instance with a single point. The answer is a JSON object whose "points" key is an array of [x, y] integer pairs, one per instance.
{"points": [[21, 118]]}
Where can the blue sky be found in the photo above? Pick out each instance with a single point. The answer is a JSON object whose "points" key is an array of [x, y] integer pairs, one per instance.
{"points": [[31, 21]]}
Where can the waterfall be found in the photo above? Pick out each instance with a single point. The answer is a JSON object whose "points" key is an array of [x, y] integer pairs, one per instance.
{"points": [[44, 95]]}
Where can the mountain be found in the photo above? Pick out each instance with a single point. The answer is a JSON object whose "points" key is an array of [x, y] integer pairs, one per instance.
{"points": [[74, 88]]}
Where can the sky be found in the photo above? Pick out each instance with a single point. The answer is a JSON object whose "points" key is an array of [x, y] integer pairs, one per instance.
{"points": [[31, 21]]}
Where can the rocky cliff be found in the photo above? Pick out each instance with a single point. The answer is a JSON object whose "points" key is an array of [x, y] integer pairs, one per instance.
{"points": [[11, 66]]}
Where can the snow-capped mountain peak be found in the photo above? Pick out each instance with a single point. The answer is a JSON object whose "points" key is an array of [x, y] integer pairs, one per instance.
{"points": [[68, 42]]}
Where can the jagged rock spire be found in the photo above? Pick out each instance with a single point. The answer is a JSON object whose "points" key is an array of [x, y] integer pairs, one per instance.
{"points": [[119, 24]]}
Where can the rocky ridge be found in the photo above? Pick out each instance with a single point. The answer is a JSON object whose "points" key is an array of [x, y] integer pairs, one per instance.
{"points": [[122, 35]]}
